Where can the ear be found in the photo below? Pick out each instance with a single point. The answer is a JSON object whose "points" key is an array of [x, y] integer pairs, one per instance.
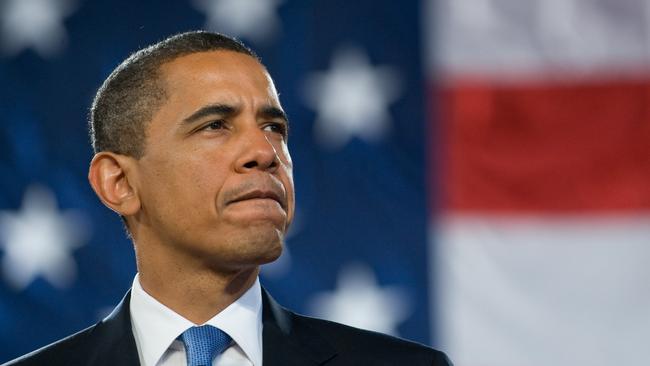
{"points": [[109, 177]]}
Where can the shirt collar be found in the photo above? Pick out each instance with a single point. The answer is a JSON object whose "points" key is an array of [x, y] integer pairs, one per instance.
{"points": [[155, 326]]}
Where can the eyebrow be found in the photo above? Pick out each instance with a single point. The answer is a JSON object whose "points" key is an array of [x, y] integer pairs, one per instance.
{"points": [[209, 110], [273, 112], [226, 110]]}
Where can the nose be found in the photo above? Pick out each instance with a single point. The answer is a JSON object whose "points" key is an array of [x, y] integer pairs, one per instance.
{"points": [[257, 153]]}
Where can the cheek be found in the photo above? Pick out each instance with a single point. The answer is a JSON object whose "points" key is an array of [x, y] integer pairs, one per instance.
{"points": [[184, 185], [202, 178], [285, 156], [288, 185], [208, 179], [287, 163]]}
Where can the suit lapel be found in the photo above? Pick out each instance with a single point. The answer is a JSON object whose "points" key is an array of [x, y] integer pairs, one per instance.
{"points": [[286, 343], [114, 341]]}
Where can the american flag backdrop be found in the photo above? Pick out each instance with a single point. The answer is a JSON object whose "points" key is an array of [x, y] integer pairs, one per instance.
{"points": [[470, 174]]}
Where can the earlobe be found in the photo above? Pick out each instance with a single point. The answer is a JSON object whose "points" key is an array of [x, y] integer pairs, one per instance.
{"points": [[108, 175]]}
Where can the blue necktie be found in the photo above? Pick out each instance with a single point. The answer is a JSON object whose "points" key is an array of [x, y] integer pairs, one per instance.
{"points": [[203, 343]]}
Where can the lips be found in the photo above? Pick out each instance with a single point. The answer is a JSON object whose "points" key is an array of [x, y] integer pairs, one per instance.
{"points": [[260, 194]]}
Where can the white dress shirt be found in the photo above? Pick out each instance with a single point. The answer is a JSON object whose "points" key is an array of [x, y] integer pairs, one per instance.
{"points": [[156, 327]]}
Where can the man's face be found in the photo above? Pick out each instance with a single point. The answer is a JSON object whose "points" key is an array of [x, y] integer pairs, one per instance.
{"points": [[215, 181]]}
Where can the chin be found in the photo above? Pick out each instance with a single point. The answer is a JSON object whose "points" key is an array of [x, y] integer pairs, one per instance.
{"points": [[266, 244], [255, 246]]}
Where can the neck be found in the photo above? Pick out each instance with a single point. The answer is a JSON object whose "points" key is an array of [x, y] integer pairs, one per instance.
{"points": [[196, 293]]}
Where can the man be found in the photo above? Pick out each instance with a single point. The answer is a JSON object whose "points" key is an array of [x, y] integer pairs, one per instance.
{"points": [[191, 151]]}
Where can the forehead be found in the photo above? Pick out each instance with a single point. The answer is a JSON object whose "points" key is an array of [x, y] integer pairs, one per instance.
{"points": [[229, 74]]}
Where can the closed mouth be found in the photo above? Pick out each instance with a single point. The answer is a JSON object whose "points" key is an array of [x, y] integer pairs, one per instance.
{"points": [[260, 194]]}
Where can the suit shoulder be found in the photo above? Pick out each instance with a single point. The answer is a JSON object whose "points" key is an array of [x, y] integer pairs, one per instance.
{"points": [[363, 343], [61, 352]]}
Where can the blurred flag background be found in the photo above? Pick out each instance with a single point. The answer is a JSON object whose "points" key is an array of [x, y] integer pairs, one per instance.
{"points": [[471, 174]]}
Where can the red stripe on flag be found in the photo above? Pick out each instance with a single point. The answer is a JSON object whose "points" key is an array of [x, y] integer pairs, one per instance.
{"points": [[570, 148]]}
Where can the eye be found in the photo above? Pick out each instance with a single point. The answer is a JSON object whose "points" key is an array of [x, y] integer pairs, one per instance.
{"points": [[215, 125], [277, 127]]}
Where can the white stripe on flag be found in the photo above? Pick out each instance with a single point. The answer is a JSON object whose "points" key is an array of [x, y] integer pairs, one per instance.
{"points": [[553, 290], [510, 37]]}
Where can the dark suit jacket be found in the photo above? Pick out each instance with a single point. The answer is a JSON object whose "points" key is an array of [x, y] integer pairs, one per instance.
{"points": [[288, 339]]}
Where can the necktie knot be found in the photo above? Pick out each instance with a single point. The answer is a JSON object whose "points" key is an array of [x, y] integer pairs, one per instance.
{"points": [[203, 343]]}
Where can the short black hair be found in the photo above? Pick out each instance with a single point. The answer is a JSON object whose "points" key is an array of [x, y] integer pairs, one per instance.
{"points": [[133, 92]]}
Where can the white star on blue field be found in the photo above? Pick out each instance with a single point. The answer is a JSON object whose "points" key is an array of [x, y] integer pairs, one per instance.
{"points": [[38, 241], [255, 20], [361, 302], [351, 99], [34, 24]]}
